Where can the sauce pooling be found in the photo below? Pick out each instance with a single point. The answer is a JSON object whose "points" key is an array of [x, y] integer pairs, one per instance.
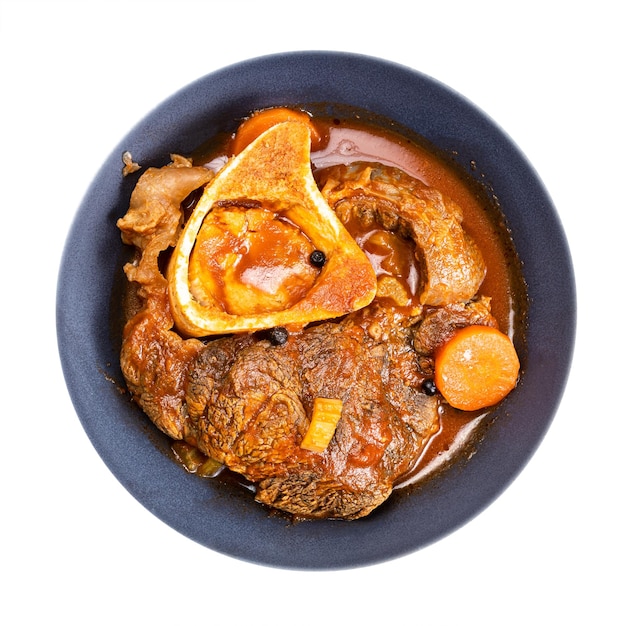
{"points": [[348, 141]]}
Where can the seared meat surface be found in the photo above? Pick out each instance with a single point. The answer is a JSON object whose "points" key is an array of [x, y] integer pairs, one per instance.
{"points": [[452, 265], [439, 324], [252, 401], [247, 403], [155, 359]]}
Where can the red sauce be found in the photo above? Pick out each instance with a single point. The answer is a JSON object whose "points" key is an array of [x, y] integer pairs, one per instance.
{"points": [[348, 141], [390, 255]]}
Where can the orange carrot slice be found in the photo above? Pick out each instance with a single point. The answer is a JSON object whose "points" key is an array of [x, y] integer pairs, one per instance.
{"points": [[261, 121], [476, 368]]}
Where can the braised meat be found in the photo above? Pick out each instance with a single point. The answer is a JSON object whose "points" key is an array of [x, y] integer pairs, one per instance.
{"points": [[155, 359], [246, 401], [251, 403], [439, 324], [453, 268]]}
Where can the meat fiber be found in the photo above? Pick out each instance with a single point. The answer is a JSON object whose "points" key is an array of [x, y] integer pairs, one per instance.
{"points": [[453, 267], [251, 402], [247, 402]]}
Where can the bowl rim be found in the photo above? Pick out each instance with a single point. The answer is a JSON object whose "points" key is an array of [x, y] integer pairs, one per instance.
{"points": [[227, 520]]}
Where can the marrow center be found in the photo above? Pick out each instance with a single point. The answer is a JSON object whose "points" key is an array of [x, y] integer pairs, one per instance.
{"points": [[250, 259]]}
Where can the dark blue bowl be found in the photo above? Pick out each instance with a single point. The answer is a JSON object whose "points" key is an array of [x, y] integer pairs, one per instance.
{"points": [[224, 517]]}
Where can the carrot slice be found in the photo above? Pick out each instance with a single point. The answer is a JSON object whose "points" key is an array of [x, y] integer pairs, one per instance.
{"points": [[261, 121], [476, 368]]}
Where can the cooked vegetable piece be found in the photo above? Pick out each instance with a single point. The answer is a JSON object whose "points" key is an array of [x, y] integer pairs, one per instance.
{"points": [[194, 461], [476, 368], [210, 468], [261, 121], [326, 415], [188, 455]]}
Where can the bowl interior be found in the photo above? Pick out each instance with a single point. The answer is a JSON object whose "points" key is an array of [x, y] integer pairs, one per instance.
{"points": [[223, 517]]}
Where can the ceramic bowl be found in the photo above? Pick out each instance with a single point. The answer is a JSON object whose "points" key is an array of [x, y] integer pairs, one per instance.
{"points": [[224, 517]]}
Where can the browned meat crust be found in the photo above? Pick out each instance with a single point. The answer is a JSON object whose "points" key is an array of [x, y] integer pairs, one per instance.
{"points": [[452, 263], [260, 404], [247, 403], [439, 324], [155, 359]]}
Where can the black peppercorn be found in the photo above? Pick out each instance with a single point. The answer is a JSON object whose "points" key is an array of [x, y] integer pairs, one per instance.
{"points": [[277, 336], [317, 258], [428, 387]]}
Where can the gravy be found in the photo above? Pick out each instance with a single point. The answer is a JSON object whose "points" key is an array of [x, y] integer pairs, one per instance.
{"points": [[346, 141]]}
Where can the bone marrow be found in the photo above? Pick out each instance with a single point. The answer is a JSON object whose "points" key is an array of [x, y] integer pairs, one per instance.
{"points": [[295, 288]]}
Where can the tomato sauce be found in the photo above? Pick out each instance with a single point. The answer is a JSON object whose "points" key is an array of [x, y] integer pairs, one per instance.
{"points": [[349, 142], [345, 141]]}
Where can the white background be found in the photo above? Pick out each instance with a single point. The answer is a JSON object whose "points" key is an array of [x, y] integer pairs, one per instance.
{"points": [[75, 547]]}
